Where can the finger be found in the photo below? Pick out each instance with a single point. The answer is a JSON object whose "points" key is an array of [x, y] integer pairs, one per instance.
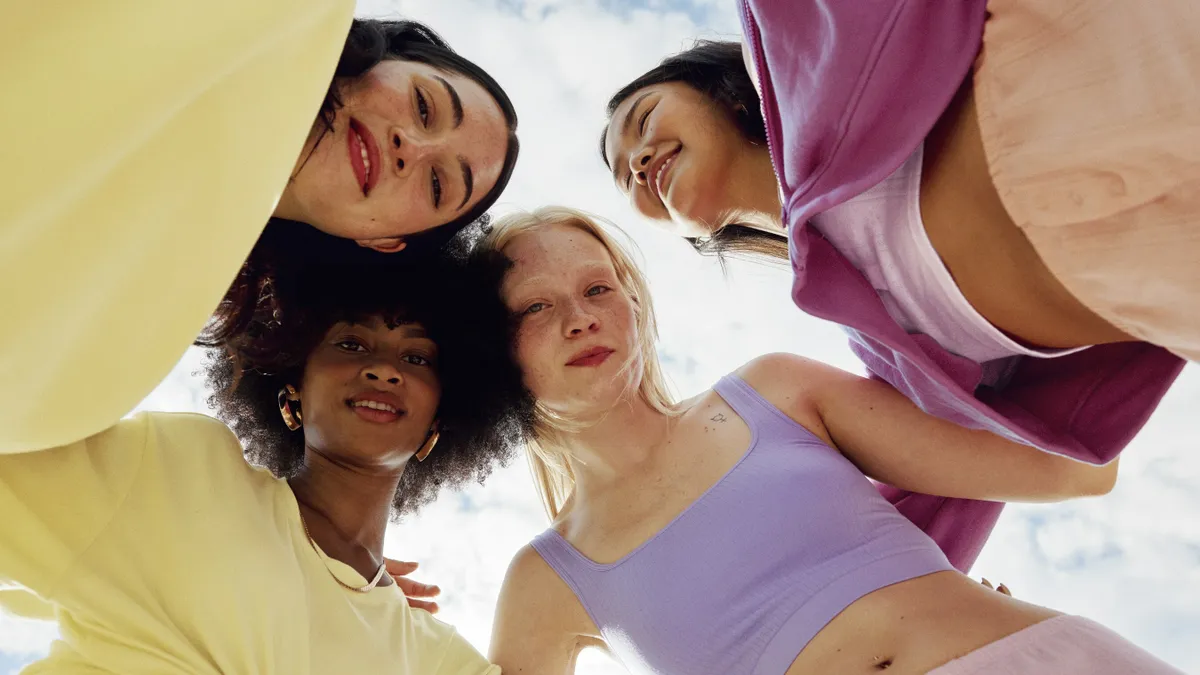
{"points": [[987, 583], [428, 606], [416, 589], [399, 568]]}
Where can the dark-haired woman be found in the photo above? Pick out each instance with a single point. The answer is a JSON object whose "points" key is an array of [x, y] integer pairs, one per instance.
{"points": [[865, 158], [163, 550], [143, 173]]}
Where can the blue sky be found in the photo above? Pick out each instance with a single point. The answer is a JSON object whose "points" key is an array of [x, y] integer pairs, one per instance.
{"points": [[1130, 560]]}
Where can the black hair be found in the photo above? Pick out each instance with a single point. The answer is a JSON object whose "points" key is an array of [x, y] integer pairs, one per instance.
{"points": [[484, 406], [715, 69]]}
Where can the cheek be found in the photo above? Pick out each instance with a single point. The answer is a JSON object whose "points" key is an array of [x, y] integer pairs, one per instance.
{"points": [[427, 394], [533, 355]]}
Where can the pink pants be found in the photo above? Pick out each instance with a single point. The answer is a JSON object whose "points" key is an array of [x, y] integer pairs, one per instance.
{"points": [[1064, 645]]}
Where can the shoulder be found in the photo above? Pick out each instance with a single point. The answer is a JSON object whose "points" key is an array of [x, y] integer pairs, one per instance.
{"points": [[528, 572], [536, 593], [795, 384], [539, 620], [192, 446], [787, 378]]}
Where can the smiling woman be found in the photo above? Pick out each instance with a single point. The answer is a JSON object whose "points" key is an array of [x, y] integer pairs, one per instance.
{"points": [[365, 397], [412, 139], [413, 143]]}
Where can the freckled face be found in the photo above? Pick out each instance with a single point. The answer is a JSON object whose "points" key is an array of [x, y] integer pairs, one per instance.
{"points": [[577, 338]]}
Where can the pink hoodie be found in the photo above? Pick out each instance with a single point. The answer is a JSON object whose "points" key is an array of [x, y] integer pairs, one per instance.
{"points": [[850, 88]]}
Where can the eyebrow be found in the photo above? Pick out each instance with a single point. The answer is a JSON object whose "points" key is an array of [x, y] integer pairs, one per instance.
{"points": [[455, 101], [625, 125], [468, 180]]}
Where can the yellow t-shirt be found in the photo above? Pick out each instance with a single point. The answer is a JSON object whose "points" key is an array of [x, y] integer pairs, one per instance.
{"points": [[145, 146], [162, 551]]}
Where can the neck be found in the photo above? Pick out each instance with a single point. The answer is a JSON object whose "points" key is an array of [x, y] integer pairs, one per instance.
{"points": [[346, 507], [759, 194], [623, 441]]}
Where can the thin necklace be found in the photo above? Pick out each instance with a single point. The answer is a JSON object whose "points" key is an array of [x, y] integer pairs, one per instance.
{"points": [[356, 589]]}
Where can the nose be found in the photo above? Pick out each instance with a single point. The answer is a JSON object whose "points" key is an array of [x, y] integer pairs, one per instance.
{"points": [[639, 165], [580, 321], [407, 150], [383, 372]]}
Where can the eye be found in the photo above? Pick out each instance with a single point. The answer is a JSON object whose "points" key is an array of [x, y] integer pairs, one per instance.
{"points": [[642, 121], [597, 290], [350, 345], [435, 185], [422, 108], [534, 308], [418, 360]]}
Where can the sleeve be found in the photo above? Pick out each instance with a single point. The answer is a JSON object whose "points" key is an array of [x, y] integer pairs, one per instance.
{"points": [[154, 141], [56, 503], [463, 659]]}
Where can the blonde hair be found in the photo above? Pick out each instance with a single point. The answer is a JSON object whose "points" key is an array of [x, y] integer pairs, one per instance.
{"points": [[552, 472]]}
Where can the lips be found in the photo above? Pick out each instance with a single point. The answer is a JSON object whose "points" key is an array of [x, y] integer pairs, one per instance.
{"points": [[659, 171], [377, 406], [364, 156], [593, 356]]}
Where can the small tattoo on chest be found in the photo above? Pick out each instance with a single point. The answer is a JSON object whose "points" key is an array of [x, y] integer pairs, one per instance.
{"points": [[718, 417]]}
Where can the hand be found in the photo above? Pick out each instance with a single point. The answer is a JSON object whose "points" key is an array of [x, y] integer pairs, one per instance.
{"points": [[413, 590], [1003, 589]]}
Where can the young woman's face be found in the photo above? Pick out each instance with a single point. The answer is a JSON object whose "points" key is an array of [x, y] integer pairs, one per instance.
{"points": [[679, 158], [577, 341], [413, 147], [370, 393]]}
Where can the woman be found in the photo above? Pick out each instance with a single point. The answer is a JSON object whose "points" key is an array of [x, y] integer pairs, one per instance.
{"points": [[689, 146], [196, 120], [735, 532], [163, 550], [413, 142]]}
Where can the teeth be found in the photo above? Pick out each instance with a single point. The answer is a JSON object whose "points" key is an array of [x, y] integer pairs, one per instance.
{"points": [[662, 170], [362, 148], [375, 405]]}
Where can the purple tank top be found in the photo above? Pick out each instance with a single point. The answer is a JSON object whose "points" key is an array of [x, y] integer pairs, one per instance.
{"points": [[743, 578]]}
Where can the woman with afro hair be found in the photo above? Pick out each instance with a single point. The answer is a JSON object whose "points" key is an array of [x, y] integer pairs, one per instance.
{"points": [[177, 543]]}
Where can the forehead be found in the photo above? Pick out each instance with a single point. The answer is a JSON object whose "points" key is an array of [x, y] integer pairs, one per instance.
{"points": [[399, 327], [554, 249], [616, 123]]}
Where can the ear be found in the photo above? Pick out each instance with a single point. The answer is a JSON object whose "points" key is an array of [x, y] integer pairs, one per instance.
{"points": [[384, 244]]}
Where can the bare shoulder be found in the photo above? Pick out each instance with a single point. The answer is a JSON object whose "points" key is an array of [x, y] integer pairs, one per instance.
{"points": [[532, 588], [540, 625], [794, 384], [530, 571]]}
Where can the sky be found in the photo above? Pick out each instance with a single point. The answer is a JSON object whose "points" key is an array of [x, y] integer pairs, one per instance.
{"points": [[1130, 560]]}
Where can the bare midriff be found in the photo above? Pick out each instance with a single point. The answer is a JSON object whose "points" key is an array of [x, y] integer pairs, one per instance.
{"points": [[915, 626], [995, 266]]}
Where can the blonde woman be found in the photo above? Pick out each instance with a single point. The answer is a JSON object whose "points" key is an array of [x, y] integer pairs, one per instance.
{"points": [[737, 532]]}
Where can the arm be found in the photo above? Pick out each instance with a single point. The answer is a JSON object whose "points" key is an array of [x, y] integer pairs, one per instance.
{"points": [[893, 441], [57, 502], [540, 627], [155, 138]]}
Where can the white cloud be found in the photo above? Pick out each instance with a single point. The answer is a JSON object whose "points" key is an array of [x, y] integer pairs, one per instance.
{"points": [[1130, 560]]}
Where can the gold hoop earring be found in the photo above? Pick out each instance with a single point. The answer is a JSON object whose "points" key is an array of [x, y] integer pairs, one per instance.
{"points": [[434, 434], [291, 418]]}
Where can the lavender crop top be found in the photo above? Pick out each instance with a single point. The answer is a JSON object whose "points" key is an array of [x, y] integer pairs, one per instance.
{"points": [[742, 579]]}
